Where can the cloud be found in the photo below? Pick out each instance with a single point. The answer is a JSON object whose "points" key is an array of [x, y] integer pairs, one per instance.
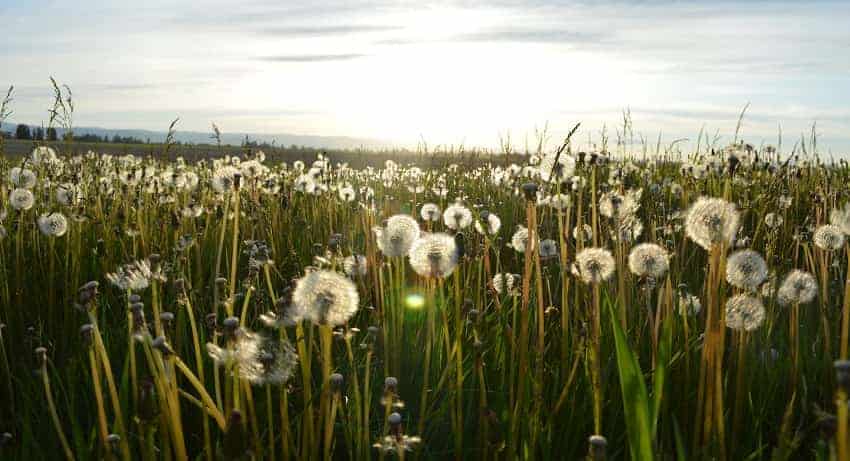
{"points": [[542, 34], [312, 57], [322, 31]]}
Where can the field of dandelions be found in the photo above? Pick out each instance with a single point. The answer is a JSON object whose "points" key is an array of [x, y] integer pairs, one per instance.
{"points": [[569, 305]]}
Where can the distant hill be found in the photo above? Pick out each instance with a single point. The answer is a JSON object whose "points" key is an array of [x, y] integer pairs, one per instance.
{"points": [[235, 139]]}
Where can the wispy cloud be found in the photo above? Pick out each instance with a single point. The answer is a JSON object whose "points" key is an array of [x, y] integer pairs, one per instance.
{"points": [[312, 57], [324, 31]]}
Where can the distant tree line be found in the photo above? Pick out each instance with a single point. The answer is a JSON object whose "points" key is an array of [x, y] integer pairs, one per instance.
{"points": [[23, 131]]}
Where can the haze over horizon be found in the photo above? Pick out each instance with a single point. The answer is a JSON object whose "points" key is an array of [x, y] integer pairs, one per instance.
{"points": [[447, 72]]}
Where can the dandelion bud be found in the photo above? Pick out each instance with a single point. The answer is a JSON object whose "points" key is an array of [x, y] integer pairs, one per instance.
{"points": [[598, 444], [113, 440], [86, 333], [530, 191], [160, 344], [235, 440], [41, 354], [148, 406], [390, 385], [334, 242], [5, 439], [733, 164], [478, 345], [134, 298], [336, 381], [166, 318], [230, 324], [211, 320], [87, 292], [842, 374], [373, 330], [180, 285], [394, 420]]}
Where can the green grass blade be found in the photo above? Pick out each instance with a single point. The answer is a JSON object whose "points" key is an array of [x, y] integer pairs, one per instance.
{"points": [[635, 398]]}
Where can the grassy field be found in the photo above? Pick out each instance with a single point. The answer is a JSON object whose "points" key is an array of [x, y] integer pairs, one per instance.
{"points": [[356, 158], [560, 305]]}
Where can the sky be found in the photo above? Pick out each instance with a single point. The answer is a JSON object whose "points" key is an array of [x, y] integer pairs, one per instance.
{"points": [[449, 72]]}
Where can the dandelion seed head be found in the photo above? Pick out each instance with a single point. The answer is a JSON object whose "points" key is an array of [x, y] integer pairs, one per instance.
{"points": [[594, 265], [548, 249], [21, 199], [434, 255], [712, 221], [560, 202], [799, 287], [430, 212], [491, 225], [22, 177], [746, 269], [398, 236], [773, 220], [649, 260], [355, 265], [841, 218], [505, 283], [53, 224], [744, 312], [828, 237], [457, 217], [557, 168], [689, 305], [225, 179], [519, 241], [324, 298]]}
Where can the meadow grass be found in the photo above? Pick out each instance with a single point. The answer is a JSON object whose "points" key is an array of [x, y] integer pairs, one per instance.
{"points": [[230, 318]]}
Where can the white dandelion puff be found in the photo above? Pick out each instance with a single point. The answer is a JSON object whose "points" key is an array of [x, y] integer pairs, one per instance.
{"points": [[22, 177], [744, 312], [828, 237], [53, 224], [355, 265], [799, 287], [324, 298], [712, 221], [492, 226], [689, 305], [746, 269], [649, 260], [548, 249], [557, 167], [434, 255], [21, 199], [457, 217], [594, 265], [396, 238], [505, 283], [519, 241], [430, 212], [841, 218]]}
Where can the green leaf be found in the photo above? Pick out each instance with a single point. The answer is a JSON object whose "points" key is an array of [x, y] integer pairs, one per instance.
{"points": [[659, 376], [635, 398]]}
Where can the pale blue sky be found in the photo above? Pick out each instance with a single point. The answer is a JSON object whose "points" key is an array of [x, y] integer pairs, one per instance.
{"points": [[449, 72]]}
